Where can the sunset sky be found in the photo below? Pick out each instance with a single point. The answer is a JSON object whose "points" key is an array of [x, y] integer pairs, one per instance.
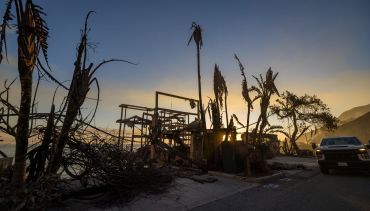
{"points": [[318, 47]]}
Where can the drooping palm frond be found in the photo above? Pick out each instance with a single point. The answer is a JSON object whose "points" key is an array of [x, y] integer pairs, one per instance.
{"points": [[270, 81], [255, 89], [196, 35], [49, 75], [40, 30], [245, 90], [237, 120], [219, 86], [8, 16], [32, 26], [208, 109], [216, 116], [260, 82]]}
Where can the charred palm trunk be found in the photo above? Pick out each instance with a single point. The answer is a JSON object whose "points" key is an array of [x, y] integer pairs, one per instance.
{"points": [[228, 127], [19, 171], [202, 115], [27, 55], [255, 131], [247, 126], [72, 111], [76, 97], [197, 36], [261, 129], [226, 113], [247, 158], [264, 106]]}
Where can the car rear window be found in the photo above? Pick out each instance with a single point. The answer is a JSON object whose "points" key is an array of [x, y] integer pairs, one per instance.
{"points": [[340, 141]]}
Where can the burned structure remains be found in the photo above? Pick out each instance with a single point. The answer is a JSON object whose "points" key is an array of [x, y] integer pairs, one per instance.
{"points": [[160, 130]]}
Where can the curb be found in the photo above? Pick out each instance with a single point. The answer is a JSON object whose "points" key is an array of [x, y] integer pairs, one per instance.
{"points": [[246, 179], [266, 178], [293, 162], [226, 175]]}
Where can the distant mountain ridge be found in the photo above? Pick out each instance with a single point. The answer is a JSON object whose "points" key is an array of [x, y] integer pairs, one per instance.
{"points": [[353, 113], [353, 122]]}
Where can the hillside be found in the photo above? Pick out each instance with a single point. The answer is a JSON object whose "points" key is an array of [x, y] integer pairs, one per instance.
{"points": [[353, 113], [353, 122], [359, 127]]}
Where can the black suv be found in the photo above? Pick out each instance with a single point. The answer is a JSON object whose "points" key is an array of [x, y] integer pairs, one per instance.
{"points": [[342, 153]]}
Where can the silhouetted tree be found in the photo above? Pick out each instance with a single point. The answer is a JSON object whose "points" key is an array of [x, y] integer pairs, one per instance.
{"points": [[220, 90], [197, 37], [246, 95], [304, 112], [32, 39], [83, 77], [215, 115], [266, 88], [247, 98]]}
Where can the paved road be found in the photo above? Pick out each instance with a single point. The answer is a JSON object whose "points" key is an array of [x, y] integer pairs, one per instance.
{"points": [[306, 190]]}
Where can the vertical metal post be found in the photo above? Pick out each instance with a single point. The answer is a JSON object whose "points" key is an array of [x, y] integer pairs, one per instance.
{"points": [[132, 136], [120, 128], [188, 129], [171, 129], [163, 118], [124, 128], [142, 132]]}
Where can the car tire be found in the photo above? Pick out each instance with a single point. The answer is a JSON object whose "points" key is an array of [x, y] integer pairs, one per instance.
{"points": [[324, 170]]}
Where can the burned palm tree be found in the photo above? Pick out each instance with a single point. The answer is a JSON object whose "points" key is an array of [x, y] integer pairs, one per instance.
{"points": [[197, 37], [246, 95], [214, 115], [220, 90], [266, 88], [79, 87], [32, 39], [247, 98]]}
